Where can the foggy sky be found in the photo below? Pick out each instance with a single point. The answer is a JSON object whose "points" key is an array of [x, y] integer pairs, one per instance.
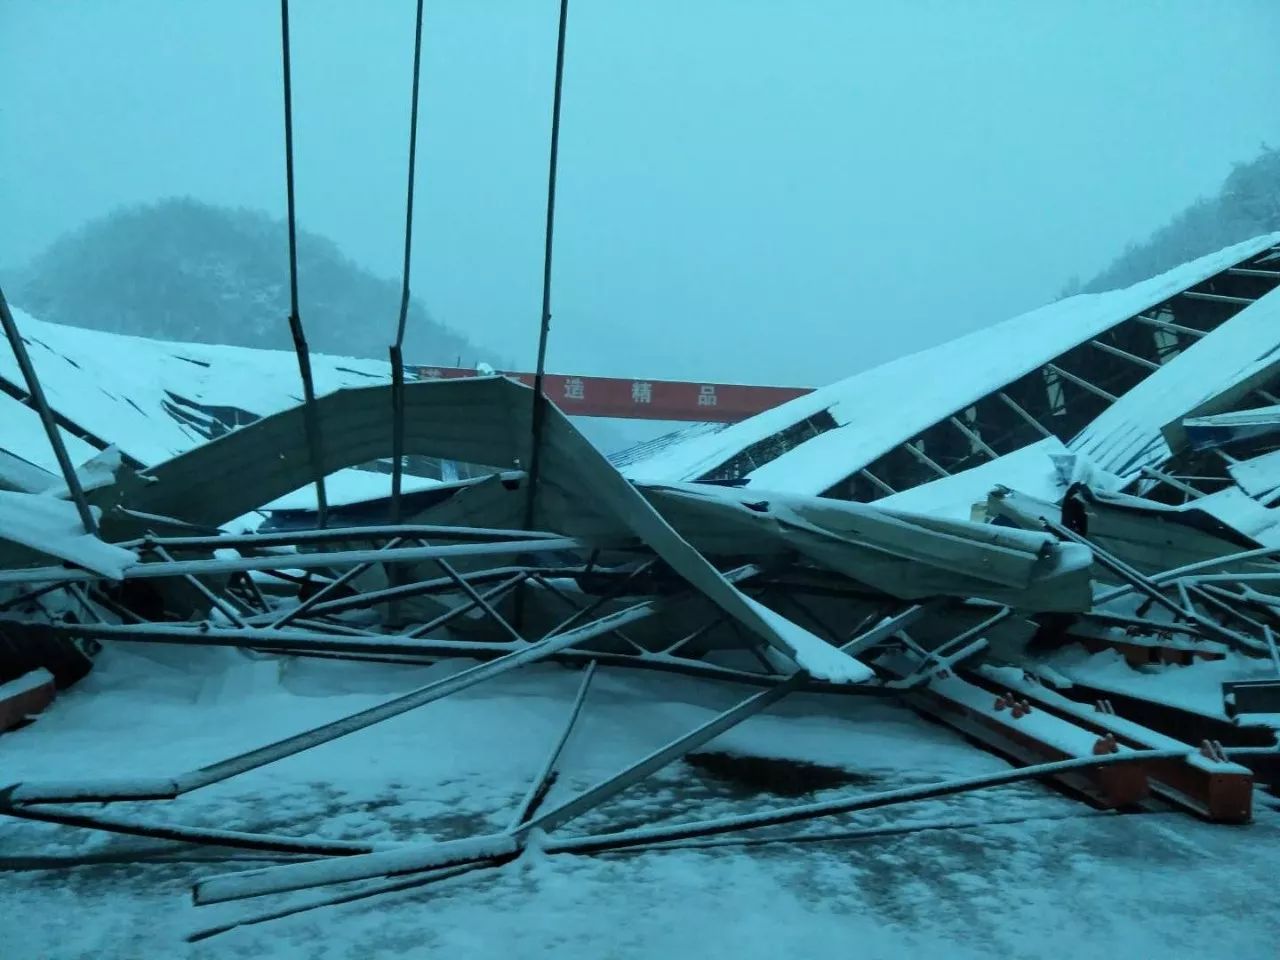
{"points": [[784, 191]]}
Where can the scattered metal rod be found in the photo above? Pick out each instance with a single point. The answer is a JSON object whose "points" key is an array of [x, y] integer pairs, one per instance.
{"points": [[285, 878], [341, 581], [503, 846], [584, 610], [697, 633], [592, 797], [414, 881], [261, 638], [41, 404], [1118, 567], [301, 561], [810, 811], [1243, 577], [409, 882], [1271, 647], [169, 788], [286, 643], [331, 626], [936, 661], [157, 519], [888, 627], [649, 661], [78, 591], [1111, 618], [1195, 569], [617, 589], [492, 848], [291, 538], [184, 834], [493, 593], [1172, 481], [873, 833], [371, 598], [120, 610], [542, 783], [219, 604], [1225, 608], [537, 792], [480, 601], [29, 596]]}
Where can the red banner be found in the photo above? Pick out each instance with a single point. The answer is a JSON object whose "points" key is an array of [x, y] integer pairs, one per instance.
{"points": [[645, 399]]}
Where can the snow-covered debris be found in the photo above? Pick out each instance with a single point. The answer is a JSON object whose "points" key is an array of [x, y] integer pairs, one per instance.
{"points": [[44, 526]]}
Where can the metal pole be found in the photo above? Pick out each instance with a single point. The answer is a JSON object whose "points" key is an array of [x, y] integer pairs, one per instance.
{"points": [[41, 404], [397, 358], [314, 443], [539, 402]]}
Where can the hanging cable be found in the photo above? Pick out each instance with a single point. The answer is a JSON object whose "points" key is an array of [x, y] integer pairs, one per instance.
{"points": [[38, 400], [314, 444], [397, 358], [539, 401]]}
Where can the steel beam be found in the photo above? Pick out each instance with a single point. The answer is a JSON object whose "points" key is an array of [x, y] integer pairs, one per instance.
{"points": [[1081, 382], [1124, 355], [924, 458], [1171, 327], [1218, 298], [299, 561], [297, 538], [1031, 421], [550, 768], [973, 437], [41, 404], [168, 788], [877, 482]]}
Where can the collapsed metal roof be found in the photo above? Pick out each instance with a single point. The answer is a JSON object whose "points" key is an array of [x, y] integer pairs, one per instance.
{"points": [[1098, 474]]}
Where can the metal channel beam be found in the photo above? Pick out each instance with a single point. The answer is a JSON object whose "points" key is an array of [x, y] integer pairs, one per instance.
{"points": [[1217, 297]]}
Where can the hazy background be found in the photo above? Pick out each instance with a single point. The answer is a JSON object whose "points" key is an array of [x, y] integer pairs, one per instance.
{"points": [[784, 191]]}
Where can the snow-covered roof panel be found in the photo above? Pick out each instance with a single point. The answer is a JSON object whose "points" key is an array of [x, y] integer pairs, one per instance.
{"points": [[1127, 436], [123, 388], [880, 408]]}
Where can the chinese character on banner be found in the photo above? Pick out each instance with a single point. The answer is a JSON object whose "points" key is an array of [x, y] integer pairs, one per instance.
{"points": [[641, 392], [706, 395], [574, 389], [433, 373]]}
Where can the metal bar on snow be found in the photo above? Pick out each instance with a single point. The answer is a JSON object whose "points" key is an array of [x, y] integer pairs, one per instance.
{"points": [[546, 776]]}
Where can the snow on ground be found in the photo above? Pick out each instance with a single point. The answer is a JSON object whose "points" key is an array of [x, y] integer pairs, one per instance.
{"points": [[1068, 882]]}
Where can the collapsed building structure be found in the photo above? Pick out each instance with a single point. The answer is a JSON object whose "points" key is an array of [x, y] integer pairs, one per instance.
{"points": [[1057, 535]]}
